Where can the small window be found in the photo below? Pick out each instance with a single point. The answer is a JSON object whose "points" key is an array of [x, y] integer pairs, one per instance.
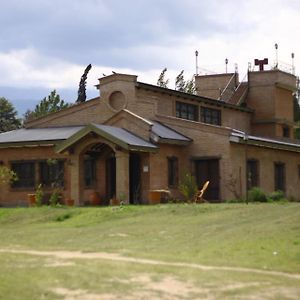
{"points": [[52, 173], [286, 131], [186, 111], [25, 173], [210, 116], [252, 173], [279, 176], [90, 172], [172, 171]]}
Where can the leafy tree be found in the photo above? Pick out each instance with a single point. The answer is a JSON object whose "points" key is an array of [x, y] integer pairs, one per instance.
{"points": [[180, 83], [82, 85], [190, 86], [162, 82], [50, 104], [8, 116]]}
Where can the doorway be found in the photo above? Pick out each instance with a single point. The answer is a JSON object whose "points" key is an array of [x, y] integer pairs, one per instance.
{"points": [[110, 177], [208, 169], [134, 178]]}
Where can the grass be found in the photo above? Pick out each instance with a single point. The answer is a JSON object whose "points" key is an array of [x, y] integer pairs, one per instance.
{"points": [[261, 236]]}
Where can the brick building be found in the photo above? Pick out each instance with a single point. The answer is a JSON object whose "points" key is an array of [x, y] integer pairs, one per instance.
{"points": [[138, 137]]}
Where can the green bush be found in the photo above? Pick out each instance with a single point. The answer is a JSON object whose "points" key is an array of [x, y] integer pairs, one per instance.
{"points": [[277, 196], [256, 194], [188, 186]]}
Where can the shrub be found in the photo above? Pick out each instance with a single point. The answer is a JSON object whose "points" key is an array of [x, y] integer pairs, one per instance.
{"points": [[256, 194], [39, 194], [277, 196], [188, 186]]}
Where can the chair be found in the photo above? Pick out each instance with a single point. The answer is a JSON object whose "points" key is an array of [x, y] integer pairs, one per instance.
{"points": [[199, 195]]}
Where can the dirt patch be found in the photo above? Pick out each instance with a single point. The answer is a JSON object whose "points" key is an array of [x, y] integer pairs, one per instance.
{"points": [[117, 257]]}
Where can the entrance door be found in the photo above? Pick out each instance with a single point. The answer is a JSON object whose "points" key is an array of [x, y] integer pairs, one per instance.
{"points": [[134, 178], [110, 177], [208, 170]]}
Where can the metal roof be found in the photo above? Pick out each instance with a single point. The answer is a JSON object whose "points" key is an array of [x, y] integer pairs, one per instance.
{"points": [[166, 133], [38, 134], [125, 136]]}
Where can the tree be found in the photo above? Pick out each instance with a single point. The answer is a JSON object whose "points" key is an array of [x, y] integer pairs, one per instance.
{"points": [[162, 82], [82, 85], [49, 104], [190, 86], [180, 83], [8, 116]]}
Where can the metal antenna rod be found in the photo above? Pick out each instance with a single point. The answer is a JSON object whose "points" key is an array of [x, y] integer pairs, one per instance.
{"points": [[276, 52], [196, 53], [226, 63], [293, 63]]}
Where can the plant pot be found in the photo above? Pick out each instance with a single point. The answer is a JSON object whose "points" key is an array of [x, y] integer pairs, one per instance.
{"points": [[70, 202], [95, 198], [31, 199], [114, 202]]}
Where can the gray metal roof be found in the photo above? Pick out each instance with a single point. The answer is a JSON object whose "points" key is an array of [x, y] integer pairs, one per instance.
{"points": [[38, 134], [167, 133], [125, 136]]}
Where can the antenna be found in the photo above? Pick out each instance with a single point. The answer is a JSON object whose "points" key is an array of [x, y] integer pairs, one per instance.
{"points": [[196, 54], [276, 53], [249, 66], [293, 63], [236, 68], [226, 63]]}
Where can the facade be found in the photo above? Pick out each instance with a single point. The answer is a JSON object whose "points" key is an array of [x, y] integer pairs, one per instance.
{"points": [[137, 138]]}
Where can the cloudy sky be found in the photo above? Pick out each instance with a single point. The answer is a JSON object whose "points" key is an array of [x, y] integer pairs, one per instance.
{"points": [[46, 44]]}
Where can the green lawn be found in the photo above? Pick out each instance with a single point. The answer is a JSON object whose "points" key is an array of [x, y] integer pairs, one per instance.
{"points": [[264, 237]]}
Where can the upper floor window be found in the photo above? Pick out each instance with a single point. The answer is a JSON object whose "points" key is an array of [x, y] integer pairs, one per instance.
{"points": [[210, 116], [25, 174], [286, 131], [186, 111]]}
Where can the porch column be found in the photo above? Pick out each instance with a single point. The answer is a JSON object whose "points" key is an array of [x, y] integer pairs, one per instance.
{"points": [[75, 179], [122, 176]]}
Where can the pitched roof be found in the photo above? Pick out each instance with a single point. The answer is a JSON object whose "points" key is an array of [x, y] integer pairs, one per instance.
{"points": [[41, 135], [162, 133], [116, 135]]}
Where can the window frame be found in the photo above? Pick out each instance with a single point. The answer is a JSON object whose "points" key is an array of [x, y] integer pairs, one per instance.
{"points": [[89, 171], [279, 167], [253, 177], [210, 115], [187, 111], [21, 178], [52, 175], [172, 163]]}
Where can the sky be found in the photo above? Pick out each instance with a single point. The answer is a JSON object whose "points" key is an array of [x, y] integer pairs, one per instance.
{"points": [[46, 44]]}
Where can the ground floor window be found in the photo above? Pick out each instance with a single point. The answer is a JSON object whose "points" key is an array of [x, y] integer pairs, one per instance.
{"points": [[25, 174], [90, 172], [52, 173], [279, 176], [252, 173], [172, 171]]}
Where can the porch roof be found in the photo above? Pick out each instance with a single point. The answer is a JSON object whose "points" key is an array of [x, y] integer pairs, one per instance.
{"points": [[116, 135], [21, 137]]}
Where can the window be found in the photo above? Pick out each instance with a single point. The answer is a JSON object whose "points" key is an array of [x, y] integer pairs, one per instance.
{"points": [[187, 111], [210, 116], [279, 176], [89, 172], [52, 173], [172, 171], [26, 174], [286, 131], [252, 173]]}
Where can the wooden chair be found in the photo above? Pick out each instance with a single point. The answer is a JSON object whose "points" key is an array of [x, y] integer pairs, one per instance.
{"points": [[199, 195]]}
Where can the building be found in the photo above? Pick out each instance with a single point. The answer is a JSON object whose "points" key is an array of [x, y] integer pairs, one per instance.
{"points": [[137, 138]]}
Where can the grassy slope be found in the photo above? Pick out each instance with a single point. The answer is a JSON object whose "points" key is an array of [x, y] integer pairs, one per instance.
{"points": [[229, 235]]}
